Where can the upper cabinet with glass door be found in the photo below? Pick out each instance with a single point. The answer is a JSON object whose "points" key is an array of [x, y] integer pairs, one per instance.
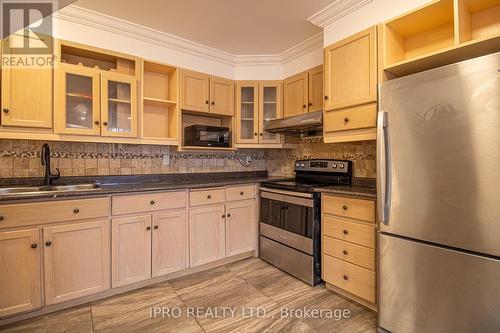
{"points": [[96, 92], [257, 102]]}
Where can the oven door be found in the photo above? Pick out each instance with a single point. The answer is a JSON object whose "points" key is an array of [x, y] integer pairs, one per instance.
{"points": [[287, 218]]}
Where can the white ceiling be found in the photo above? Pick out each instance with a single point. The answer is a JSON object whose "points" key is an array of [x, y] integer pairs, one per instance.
{"points": [[240, 27]]}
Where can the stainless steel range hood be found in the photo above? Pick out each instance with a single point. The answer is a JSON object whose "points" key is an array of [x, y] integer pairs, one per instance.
{"points": [[302, 125]]}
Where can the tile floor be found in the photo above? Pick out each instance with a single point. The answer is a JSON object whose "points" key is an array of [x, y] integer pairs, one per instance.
{"points": [[244, 286]]}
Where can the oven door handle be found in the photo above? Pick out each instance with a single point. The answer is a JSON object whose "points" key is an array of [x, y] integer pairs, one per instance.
{"points": [[300, 201]]}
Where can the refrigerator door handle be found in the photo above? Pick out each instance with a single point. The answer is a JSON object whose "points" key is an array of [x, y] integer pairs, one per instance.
{"points": [[383, 165]]}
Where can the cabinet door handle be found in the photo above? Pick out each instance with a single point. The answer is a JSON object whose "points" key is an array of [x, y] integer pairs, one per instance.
{"points": [[206, 102], [213, 103], [345, 232], [344, 252], [1, 218], [326, 98], [6, 110], [48, 243], [261, 134], [223, 216], [310, 104], [346, 120], [34, 246], [105, 123], [76, 211], [155, 227], [148, 228], [96, 122], [304, 106], [344, 207], [209, 196], [152, 202], [346, 277], [228, 215], [241, 193], [255, 134]]}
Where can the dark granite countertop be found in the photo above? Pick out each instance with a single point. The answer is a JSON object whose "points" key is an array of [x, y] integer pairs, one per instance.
{"points": [[364, 188], [136, 183]]}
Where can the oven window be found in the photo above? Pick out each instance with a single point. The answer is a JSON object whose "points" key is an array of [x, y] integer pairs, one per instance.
{"points": [[270, 212], [209, 136], [298, 219]]}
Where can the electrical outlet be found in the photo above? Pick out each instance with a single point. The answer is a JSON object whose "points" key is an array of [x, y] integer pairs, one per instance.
{"points": [[249, 159], [166, 159]]}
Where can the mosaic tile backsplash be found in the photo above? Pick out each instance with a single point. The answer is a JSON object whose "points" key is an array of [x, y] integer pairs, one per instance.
{"points": [[21, 158]]}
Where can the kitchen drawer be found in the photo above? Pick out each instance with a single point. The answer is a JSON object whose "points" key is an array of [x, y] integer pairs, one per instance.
{"points": [[354, 118], [351, 278], [350, 232], [349, 207], [17, 215], [148, 202], [234, 193], [207, 196], [355, 254]]}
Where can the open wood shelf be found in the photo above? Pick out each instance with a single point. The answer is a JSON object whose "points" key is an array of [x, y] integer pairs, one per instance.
{"points": [[440, 33], [158, 102]]}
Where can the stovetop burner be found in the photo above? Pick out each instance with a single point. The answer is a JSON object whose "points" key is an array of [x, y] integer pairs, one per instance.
{"points": [[311, 174]]}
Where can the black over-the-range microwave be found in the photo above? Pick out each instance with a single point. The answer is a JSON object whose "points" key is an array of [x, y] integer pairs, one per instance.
{"points": [[207, 136]]}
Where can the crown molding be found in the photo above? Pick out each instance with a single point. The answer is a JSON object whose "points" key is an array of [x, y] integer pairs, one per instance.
{"points": [[93, 19], [335, 11], [139, 32]]}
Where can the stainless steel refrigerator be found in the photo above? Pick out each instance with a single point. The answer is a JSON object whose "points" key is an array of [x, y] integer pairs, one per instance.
{"points": [[438, 167]]}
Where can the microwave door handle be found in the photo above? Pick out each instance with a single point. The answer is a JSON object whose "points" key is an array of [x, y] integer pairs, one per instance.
{"points": [[383, 168]]}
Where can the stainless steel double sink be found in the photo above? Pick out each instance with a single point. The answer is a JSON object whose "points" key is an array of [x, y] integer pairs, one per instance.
{"points": [[33, 190]]}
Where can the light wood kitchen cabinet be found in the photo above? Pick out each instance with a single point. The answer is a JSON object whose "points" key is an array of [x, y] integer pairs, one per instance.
{"points": [[240, 227], [351, 86], [221, 96], [207, 240], [204, 93], [26, 95], [131, 250], [20, 272], [303, 92], [76, 260], [349, 247], [169, 242], [296, 94], [118, 105], [257, 102], [194, 91], [94, 103]]}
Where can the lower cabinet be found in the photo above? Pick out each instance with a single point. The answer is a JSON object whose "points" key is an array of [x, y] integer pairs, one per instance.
{"points": [[207, 239], [20, 271], [149, 245], [131, 249], [170, 243], [240, 227], [76, 260]]}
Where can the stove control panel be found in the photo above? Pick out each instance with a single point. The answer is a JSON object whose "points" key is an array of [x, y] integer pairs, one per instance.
{"points": [[336, 166]]}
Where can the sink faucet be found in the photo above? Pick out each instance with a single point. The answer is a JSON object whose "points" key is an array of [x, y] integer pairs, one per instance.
{"points": [[49, 177]]}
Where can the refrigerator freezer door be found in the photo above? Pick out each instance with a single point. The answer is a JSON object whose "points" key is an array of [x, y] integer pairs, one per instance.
{"points": [[425, 288], [442, 134]]}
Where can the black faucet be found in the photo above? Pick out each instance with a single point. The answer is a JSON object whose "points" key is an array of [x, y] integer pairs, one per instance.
{"points": [[49, 177]]}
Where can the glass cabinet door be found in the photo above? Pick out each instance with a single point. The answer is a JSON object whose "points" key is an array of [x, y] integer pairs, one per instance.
{"points": [[269, 109], [247, 112], [78, 102], [118, 105]]}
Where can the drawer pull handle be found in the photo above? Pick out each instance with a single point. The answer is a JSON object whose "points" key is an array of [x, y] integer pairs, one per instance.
{"points": [[76, 211], [152, 202], [155, 227], [48, 243], [345, 232], [344, 252], [148, 228], [344, 207], [34, 246], [1, 218], [346, 120], [209, 196], [346, 277], [241, 193]]}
